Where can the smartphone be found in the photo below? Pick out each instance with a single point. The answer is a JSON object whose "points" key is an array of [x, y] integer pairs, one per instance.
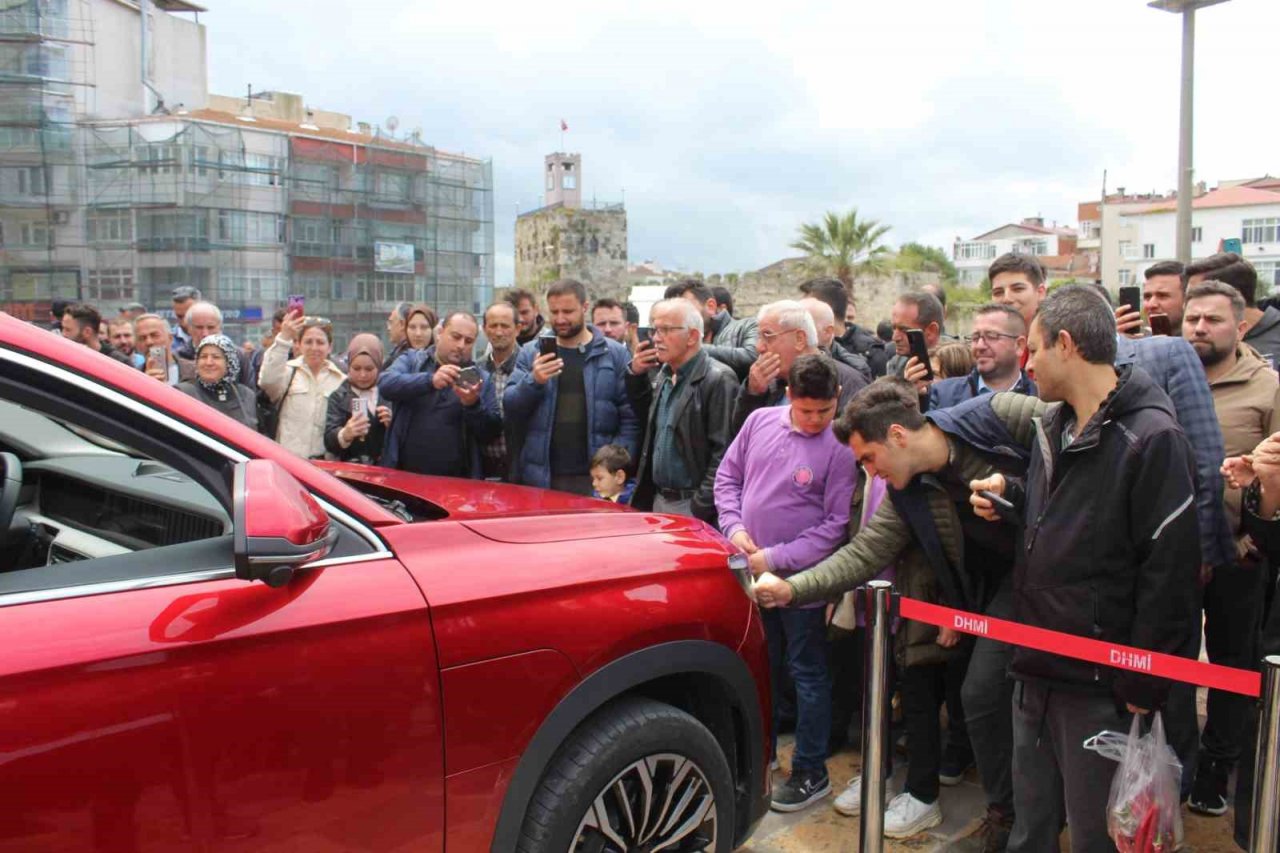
{"points": [[1003, 508], [1160, 324], [1131, 295], [547, 345], [470, 376], [297, 304], [919, 349], [644, 335], [155, 355], [357, 406]]}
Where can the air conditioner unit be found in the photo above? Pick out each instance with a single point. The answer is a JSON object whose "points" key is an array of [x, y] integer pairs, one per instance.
{"points": [[61, 217]]}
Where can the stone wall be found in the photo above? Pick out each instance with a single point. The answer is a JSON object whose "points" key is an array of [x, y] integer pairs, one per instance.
{"points": [[563, 242], [874, 295]]}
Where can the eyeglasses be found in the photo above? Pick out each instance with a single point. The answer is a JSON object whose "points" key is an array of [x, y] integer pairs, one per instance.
{"points": [[663, 331], [769, 336], [989, 337]]}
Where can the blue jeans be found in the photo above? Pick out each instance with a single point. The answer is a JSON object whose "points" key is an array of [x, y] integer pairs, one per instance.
{"points": [[798, 640]]}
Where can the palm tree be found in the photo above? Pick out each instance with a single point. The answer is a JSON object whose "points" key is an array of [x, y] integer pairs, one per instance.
{"points": [[844, 246]]}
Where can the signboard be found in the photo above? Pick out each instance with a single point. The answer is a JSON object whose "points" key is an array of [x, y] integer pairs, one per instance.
{"points": [[393, 257]]}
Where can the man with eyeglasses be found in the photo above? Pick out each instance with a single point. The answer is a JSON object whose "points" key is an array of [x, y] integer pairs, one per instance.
{"points": [[687, 412], [786, 331], [997, 343]]}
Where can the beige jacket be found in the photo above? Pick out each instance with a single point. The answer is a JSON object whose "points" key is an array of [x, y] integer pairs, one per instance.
{"points": [[304, 408], [1245, 400]]}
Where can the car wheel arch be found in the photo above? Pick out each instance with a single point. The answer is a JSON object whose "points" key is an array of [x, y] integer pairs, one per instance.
{"points": [[657, 672]]}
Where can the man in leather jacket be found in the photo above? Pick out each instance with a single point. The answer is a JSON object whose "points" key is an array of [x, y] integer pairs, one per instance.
{"points": [[687, 411]]}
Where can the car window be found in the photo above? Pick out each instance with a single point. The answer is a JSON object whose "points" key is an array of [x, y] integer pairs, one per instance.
{"points": [[94, 509]]}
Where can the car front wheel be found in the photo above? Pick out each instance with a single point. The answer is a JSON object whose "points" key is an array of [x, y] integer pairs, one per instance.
{"points": [[640, 775]]}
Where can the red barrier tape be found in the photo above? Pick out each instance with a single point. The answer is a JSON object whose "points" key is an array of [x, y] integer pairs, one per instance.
{"points": [[1083, 648]]}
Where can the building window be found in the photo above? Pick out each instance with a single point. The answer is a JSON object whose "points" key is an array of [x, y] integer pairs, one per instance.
{"points": [[1268, 276], [240, 227], [113, 226], [1148, 250], [160, 159], [975, 251], [1128, 250], [33, 180], [1259, 230], [1126, 277], [201, 160], [110, 284], [36, 235], [1196, 234], [1089, 229], [263, 170], [392, 185]]}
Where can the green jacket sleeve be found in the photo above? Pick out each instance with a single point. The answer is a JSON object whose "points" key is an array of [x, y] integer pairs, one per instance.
{"points": [[875, 546]]}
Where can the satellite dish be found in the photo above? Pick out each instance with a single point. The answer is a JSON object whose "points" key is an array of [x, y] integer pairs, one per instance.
{"points": [[393, 123]]}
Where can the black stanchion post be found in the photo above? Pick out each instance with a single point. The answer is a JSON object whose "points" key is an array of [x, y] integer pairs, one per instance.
{"points": [[877, 605], [1266, 777]]}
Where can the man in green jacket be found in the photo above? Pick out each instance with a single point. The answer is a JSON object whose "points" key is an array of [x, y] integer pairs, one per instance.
{"points": [[942, 552]]}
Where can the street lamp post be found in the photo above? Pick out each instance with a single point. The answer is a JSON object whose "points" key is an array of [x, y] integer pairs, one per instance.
{"points": [[1187, 8]]}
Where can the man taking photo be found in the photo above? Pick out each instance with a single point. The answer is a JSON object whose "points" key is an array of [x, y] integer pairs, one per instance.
{"points": [[570, 400], [689, 424]]}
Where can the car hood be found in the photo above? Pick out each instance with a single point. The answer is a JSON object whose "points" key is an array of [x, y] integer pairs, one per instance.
{"points": [[461, 500], [515, 514]]}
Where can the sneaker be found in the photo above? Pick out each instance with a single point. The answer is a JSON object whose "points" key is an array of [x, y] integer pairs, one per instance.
{"points": [[907, 816], [991, 836], [1209, 791], [801, 790], [849, 803], [955, 764]]}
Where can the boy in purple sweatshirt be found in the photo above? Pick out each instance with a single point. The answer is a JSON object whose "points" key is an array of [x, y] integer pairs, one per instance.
{"points": [[782, 493]]}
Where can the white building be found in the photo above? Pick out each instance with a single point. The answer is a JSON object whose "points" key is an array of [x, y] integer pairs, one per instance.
{"points": [[1028, 237], [1248, 213]]}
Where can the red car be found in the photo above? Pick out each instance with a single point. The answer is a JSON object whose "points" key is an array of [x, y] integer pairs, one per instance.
{"points": [[207, 643]]}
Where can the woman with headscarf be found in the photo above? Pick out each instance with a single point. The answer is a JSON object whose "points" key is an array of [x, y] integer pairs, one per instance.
{"points": [[217, 366], [356, 425], [300, 387]]}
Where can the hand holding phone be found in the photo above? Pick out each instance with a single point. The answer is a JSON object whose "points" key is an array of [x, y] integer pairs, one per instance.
{"points": [[1002, 507], [644, 335], [469, 377], [547, 345], [920, 351], [1160, 324], [297, 304], [1131, 297]]}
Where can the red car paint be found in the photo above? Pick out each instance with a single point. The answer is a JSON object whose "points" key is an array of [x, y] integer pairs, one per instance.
{"points": [[375, 705]]}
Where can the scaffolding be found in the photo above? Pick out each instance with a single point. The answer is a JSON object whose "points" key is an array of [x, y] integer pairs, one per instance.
{"points": [[248, 210]]}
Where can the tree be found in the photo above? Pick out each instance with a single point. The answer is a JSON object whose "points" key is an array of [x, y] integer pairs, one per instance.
{"points": [[844, 246], [917, 257]]}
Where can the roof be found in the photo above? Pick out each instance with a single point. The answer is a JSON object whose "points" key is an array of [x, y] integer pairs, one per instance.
{"points": [[274, 125], [178, 6], [1240, 196], [1034, 229]]}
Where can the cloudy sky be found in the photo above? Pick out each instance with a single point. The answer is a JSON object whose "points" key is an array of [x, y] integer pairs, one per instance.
{"points": [[726, 126]]}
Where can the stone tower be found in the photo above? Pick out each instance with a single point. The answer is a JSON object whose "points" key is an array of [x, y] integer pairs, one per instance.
{"points": [[564, 180]]}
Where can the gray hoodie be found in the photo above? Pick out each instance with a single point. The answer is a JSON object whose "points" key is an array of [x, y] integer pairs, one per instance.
{"points": [[1265, 336]]}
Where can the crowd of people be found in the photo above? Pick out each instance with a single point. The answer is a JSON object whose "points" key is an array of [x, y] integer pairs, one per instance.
{"points": [[831, 454]]}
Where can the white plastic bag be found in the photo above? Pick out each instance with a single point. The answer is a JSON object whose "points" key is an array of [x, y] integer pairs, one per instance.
{"points": [[1144, 812]]}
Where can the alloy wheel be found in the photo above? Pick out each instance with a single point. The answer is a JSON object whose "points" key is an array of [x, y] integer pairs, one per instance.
{"points": [[662, 803]]}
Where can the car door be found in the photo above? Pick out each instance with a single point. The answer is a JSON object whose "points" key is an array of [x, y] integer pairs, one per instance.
{"points": [[149, 700]]}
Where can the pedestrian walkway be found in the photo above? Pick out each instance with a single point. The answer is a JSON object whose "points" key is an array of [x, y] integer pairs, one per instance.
{"points": [[820, 830]]}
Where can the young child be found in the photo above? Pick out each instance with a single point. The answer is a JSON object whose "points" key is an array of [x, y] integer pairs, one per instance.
{"points": [[609, 474]]}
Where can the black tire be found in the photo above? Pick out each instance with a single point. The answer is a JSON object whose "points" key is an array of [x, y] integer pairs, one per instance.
{"points": [[604, 756]]}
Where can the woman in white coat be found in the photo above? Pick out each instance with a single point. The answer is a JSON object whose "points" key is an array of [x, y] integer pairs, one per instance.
{"points": [[301, 386]]}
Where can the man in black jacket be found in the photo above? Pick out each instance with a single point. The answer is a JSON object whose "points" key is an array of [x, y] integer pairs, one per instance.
{"points": [[687, 414], [1110, 550], [850, 338]]}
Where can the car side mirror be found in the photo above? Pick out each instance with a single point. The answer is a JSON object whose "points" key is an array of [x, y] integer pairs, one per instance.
{"points": [[279, 527]]}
